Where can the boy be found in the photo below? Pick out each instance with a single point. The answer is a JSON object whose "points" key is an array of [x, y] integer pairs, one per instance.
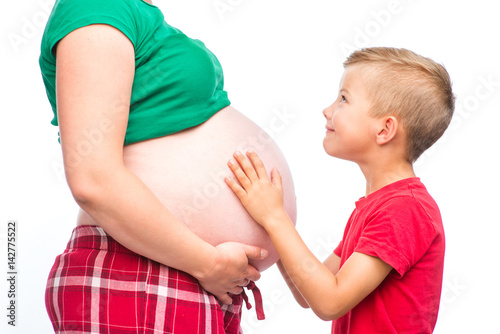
{"points": [[385, 276]]}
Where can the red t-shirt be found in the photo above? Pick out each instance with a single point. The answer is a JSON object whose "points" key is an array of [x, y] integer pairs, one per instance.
{"points": [[401, 225]]}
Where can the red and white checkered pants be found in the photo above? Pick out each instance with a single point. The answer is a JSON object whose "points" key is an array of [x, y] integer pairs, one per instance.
{"points": [[99, 286]]}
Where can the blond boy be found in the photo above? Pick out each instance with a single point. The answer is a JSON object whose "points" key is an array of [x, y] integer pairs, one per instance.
{"points": [[385, 276]]}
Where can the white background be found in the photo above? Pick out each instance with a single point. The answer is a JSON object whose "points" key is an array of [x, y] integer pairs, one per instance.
{"points": [[282, 58]]}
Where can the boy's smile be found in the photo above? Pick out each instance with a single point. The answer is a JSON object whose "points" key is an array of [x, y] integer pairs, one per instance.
{"points": [[348, 123]]}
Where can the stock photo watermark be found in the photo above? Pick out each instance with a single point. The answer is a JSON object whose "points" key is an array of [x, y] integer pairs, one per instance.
{"points": [[486, 88], [30, 26], [452, 290], [223, 7], [12, 272], [250, 323], [325, 244], [379, 20]]}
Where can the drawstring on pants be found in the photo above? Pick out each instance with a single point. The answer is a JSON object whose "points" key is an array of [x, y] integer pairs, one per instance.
{"points": [[259, 306]]}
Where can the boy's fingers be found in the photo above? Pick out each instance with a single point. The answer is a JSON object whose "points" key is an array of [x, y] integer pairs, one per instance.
{"points": [[241, 176], [258, 164], [246, 165], [235, 187], [276, 178]]}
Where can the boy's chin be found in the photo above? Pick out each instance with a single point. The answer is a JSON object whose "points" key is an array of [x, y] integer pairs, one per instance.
{"points": [[330, 151], [336, 154]]}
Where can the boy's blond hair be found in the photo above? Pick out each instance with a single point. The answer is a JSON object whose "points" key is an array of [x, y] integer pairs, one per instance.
{"points": [[414, 89]]}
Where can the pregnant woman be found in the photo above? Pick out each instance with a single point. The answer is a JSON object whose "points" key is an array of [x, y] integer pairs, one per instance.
{"points": [[146, 129]]}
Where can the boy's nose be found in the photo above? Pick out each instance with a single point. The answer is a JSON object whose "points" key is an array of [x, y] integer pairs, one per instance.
{"points": [[328, 112]]}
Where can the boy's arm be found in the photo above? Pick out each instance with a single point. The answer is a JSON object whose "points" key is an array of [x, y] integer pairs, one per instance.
{"points": [[296, 293], [332, 263], [330, 296]]}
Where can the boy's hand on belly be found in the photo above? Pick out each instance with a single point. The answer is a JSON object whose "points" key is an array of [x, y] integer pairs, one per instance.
{"points": [[231, 271], [262, 197]]}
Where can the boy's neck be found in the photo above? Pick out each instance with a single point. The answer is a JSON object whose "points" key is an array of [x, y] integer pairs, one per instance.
{"points": [[379, 176]]}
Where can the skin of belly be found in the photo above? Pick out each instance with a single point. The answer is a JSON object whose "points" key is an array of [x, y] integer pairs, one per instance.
{"points": [[186, 172]]}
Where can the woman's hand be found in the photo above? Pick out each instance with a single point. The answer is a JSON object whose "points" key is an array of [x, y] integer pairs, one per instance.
{"points": [[262, 197], [231, 271]]}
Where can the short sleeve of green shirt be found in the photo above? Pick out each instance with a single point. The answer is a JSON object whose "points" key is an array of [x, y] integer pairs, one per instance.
{"points": [[69, 15], [178, 82], [77, 13]]}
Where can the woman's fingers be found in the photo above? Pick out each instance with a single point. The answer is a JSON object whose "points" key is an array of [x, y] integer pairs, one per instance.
{"points": [[224, 298], [236, 290]]}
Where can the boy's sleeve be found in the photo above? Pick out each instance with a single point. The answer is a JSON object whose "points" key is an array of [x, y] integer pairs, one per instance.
{"points": [[399, 233], [338, 251]]}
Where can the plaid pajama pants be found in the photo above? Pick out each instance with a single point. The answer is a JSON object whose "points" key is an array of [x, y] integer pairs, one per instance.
{"points": [[99, 286]]}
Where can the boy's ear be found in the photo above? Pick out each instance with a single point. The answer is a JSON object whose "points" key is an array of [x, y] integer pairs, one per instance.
{"points": [[388, 127]]}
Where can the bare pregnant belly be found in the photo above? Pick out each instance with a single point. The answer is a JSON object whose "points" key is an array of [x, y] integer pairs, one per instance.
{"points": [[186, 172]]}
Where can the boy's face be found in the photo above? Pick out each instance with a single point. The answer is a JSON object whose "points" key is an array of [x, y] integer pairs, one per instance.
{"points": [[349, 133]]}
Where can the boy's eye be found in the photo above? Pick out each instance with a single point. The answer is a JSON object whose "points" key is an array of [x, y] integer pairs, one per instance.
{"points": [[342, 98]]}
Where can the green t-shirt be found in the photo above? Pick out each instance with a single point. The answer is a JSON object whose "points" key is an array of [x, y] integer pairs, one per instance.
{"points": [[178, 82]]}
